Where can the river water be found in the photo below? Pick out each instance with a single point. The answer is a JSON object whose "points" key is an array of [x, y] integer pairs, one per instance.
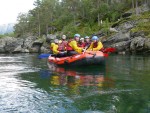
{"points": [[30, 85]]}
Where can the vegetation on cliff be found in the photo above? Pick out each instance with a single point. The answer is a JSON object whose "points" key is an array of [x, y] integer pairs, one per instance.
{"points": [[77, 16]]}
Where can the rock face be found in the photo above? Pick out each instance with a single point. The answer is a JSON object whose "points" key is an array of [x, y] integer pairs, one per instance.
{"points": [[19, 45], [29, 44], [126, 41]]}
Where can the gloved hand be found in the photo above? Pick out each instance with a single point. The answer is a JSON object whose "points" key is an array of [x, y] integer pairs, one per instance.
{"points": [[83, 50]]}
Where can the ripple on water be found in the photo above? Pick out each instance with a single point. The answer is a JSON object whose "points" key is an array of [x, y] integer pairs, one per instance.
{"points": [[20, 96], [11, 65], [25, 92]]}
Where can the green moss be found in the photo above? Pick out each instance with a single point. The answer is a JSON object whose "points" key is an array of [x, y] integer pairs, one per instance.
{"points": [[143, 23], [145, 15]]}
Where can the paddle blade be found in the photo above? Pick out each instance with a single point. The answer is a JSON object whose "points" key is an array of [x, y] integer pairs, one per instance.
{"points": [[46, 55], [111, 50]]}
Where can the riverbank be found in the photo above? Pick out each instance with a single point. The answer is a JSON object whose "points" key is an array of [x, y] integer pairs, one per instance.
{"points": [[129, 35]]}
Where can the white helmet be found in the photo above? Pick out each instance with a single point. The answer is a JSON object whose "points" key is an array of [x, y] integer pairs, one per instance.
{"points": [[81, 38], [64, 37], [87, 37], [56, 41]]}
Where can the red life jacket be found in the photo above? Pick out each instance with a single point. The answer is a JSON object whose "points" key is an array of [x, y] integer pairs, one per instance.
{"points": [[95, 44], [51, 48], [68, 47], [62, 46], [87, 44], [81, 45]]}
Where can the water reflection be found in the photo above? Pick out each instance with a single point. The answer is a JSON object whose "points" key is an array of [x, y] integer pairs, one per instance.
{"points": [[78, 81], [27, 85]]}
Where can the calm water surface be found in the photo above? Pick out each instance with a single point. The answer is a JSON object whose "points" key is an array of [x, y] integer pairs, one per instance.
{"points": [[29, 85]]}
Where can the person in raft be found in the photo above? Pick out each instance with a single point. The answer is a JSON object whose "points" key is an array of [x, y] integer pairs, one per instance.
{"points": [[54, 48], [96, 45], [72, 46], [81, 43], [62, 44], [87, 42]]}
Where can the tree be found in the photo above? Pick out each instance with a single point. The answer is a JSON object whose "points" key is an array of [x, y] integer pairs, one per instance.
{"points": [[37, 3], [22, 26], [50, 16]]}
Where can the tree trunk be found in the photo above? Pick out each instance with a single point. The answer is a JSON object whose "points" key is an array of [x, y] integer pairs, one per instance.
{"points": [[51, 25], [107, 1], [74, 18], [98, 19], [137, 9], [39, 27], [133, 4], [46, 29], [98, 15], [83, 13]]}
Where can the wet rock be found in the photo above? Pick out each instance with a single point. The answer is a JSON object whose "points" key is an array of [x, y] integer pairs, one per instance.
{"points": [[147, 44], [45, 50], [126, 26], [137, 44], [119, 37], [10, 43], [121, 46], [137, 34], [113, 30], [50, 37], [29, 41], [17, 49]]}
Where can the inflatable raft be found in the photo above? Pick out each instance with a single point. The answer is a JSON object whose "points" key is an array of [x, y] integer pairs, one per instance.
{"points": [[85, 58]]}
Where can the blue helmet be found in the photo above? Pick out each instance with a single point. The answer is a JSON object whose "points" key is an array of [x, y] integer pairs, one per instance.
{"points": [[76, 35], [87, 37], [94, 38]]}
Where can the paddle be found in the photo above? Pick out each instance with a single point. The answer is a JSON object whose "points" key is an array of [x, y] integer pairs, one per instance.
{"points": [[44, 55], [104, 50], [110, 50]]}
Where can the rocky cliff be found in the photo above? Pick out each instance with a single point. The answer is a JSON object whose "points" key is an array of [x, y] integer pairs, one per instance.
{"points": [[131, 34]]}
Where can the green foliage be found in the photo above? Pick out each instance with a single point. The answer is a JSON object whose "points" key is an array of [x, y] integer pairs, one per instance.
{"points": [[7, 34], [70, 30], [86, 29], [105, 26], [1, 36], [143, 23], [51, 16]]}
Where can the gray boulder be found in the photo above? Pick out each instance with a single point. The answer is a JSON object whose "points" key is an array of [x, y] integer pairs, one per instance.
{"points": [[8, 44], [29, 41], [50, 37], [118, 37], [126, 26], [121, 46], [147, 46], [137, 44], [44, 50]]}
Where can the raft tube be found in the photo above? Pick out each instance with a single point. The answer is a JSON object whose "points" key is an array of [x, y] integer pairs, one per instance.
{"points": [[85, 58]]}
